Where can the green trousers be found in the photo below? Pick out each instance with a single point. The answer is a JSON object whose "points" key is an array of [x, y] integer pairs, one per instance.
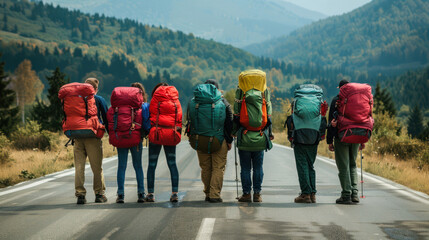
{"points": [[345, 158], [305, 155]]}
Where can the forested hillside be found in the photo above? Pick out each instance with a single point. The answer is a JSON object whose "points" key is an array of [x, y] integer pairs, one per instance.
{"points": [[238, 22], [382, 36]]}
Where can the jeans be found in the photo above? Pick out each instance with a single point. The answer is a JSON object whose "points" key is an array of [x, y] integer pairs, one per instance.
{"points": [[247, 161], [170, 154], [136, 155]]}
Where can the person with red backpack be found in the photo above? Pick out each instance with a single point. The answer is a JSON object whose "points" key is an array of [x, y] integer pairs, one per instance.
{"points": [[128, 122], [350, 126], [166, 127], [84, 121]]}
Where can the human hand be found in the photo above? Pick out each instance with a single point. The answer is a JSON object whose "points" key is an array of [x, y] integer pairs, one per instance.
{"points": [[362, 146], [331, 147], [229, 146], [271, 137], [334, 123]]}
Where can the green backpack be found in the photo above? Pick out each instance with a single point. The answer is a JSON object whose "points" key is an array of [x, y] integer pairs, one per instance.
{"points": [[306, 107], [206, 118]]}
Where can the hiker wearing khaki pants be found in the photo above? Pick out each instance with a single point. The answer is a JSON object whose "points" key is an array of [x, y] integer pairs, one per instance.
{"points": [[209, 129], [93, 149]]}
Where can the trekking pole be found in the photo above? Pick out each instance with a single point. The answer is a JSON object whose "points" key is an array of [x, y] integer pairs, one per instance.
{"points": [[361, 172], [236, 165]]}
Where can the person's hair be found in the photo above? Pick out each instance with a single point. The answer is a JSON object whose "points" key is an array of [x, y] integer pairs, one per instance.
{"points": [[157, 86], [93, 81], [140, 86]]}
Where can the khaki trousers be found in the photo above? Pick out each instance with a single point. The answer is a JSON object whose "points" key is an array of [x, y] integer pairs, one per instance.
{"points": [[93, 149], [212, 170]]}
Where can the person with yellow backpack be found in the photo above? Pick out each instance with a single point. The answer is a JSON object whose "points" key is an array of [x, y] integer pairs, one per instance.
{"points": [[252, 127]]}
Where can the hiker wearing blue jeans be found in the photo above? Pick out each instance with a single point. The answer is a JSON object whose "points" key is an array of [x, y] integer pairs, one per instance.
{"points": [[136, 155]]}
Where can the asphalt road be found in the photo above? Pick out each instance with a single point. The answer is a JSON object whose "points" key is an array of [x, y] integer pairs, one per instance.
{"points": [[45, 208]]}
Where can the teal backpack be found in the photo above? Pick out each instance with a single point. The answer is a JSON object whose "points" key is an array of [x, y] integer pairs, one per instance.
{"points": [[306, 107], [206, 118]]}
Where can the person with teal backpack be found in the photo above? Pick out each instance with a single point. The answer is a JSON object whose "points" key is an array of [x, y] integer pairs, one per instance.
{"points": [[306, 127], [209, 129], [252, 126]]}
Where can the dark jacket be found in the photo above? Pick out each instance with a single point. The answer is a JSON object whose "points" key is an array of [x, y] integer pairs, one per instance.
{"points": [[333, 114], [305, 136], [101, 110]]}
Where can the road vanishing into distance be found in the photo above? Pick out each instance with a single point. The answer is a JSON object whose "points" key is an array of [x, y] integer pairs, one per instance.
{"points": [[46, 208]]}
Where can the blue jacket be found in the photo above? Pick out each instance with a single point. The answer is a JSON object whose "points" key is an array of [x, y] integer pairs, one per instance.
{"points": [[101, 110], [146, 120]]}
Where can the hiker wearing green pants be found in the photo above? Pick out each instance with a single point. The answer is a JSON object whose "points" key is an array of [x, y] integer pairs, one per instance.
{"points": [[306, 127], [345, 156]]}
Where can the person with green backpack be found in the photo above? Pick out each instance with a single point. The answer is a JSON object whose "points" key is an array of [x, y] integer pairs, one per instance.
{"points": [[252, 126], [209, 129], [306, 128]]}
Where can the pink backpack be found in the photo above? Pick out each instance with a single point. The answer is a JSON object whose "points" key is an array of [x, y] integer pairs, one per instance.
{"points": [[125, 117]]}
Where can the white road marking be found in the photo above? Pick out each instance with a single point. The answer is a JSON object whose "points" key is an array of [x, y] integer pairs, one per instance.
{"points": [[109, 234], [47, 178], [401, 189], [37, 198], [206, 229], [16, 197]]}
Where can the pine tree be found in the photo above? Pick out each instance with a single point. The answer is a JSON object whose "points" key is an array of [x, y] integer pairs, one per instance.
{"points": [[424, 136], [8, 115], [383, 102], [415, 122], [50, 116]]}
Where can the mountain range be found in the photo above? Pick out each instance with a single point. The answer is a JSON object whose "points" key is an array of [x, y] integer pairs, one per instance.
{"points": [[383, 36], [238, 22]]}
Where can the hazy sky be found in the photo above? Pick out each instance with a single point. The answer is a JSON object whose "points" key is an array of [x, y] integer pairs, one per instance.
{"points": [[330, 7]]}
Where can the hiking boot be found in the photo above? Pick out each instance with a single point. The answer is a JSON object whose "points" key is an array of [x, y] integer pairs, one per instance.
{"points": [[150, 198], [141, 198], [257, 197], [245, 198], [313, 197], [120, 199], [100, 198], [81, 200], [207, 199], [174, 197], [355, 198], [303, 198], [344, 200], [216, 200]]}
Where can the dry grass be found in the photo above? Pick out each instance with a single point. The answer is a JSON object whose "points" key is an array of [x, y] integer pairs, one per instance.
{"points": [[409, 173], [29, 164]]}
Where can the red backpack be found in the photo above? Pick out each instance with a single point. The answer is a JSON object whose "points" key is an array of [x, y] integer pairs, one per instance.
{"points": [[80, 111], [125, 117], [165, 117], [355, 122]]}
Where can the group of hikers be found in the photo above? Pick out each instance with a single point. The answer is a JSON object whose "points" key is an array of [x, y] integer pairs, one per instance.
{"points": [[212, 126]]}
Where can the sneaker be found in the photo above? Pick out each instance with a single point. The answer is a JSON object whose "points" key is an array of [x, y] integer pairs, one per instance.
{"points": [[141, 198], [245, 198], [81, 200], [344, 200], [216, 200], [355, 198], [313, 197], [174, 197], [257, 197], [120, 198], [207, 199], [303, 198], [150, 198], [100, 198]]}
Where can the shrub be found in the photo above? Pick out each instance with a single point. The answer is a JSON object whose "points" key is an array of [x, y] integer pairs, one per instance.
{"points": [[26, 175], [30, 137], [4, 149]]}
